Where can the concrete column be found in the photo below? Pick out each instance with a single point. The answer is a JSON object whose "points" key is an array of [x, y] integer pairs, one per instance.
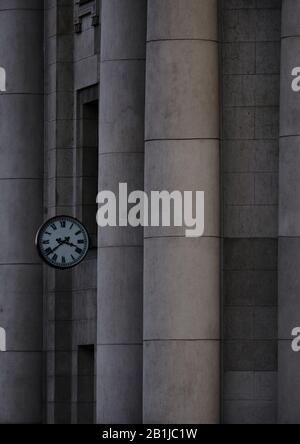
{"points": [[21, 185], [120, 256], [289, 218], [181, 275]]}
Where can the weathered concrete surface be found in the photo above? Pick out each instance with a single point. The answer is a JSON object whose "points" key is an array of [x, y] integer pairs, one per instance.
{"points": [[120, 253], [181, 312], [21, 160], [289, 207], [250, 92]]}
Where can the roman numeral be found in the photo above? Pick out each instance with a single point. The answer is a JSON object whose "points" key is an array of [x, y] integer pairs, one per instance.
{"points": [[78, 250], [53, 226], [46, 242], [78, 232], [48, 251], [55, 258], [80, 241], [63, 224], [63, 259]]}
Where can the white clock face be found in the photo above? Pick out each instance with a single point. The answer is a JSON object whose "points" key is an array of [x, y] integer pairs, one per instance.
{"points": [[62, 242]]}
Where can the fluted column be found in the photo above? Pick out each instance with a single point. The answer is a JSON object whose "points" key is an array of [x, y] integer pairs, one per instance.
{"points": [[181, 275], [289, 218], [21, 185], [120, 256]]}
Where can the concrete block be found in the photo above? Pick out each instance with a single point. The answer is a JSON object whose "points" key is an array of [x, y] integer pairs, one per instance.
{"points": [[22, 193], [239, 25], [250, 254], [265, 4], [21, 128], [20, 316], [267, 90], [238, 123], [173, 19], [64, 48], [239, 90], [26, 53], [266, 189], [166, 164], [64, 191], [85, 276], [177, 81], [118, 378], [238, 386], [242, 355], [288, 384], [289, 159], [265, 386], [130, 19], [194, 316], [238, 58], [20, 388], [86, 72], [250, 287], [181, 382], [238, 189], [288, 286], [84, 44], [268, 57], [111, 174], [245, 156], [122, 106], [239, 4], [291, 21], [84, 332], [268, 24], [267, 123], [19, 4], [265, 322], [251, 221], [120, 310], [250, 412], [85, 304], [238, 322]]}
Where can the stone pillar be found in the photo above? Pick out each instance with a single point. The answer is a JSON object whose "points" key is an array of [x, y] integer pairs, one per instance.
{"points": [[120, 255], [181, 275], [289, 218], [21, 188]]}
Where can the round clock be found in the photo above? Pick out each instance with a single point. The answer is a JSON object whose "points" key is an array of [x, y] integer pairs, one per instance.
{"points": [[62, 242]]}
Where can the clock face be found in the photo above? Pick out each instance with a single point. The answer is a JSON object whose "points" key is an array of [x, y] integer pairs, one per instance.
{"points": [[62, 242]]}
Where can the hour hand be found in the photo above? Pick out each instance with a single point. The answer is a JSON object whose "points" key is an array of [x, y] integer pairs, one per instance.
{"points": [[60, 243]]}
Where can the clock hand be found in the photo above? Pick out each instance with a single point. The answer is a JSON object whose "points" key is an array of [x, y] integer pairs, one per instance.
{"points": [[56, 248], [70, 244]]}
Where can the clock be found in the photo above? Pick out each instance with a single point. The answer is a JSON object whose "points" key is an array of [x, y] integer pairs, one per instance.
{"points": [[62, 242]]}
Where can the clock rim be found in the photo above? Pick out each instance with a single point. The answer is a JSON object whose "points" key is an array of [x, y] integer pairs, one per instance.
{"points": [[37, 237]]}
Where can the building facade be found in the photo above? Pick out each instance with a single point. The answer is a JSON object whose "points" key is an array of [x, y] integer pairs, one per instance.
{"points": [[152, 327]]}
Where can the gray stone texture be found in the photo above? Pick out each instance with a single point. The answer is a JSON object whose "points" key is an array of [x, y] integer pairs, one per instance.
{"points": [[21, 160], [250, 110], [181, 276], [288, 263], [134, 333], [120, 252]]}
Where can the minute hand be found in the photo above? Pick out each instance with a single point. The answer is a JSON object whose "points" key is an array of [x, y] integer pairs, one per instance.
{"points": [[71, 245], [56, 248]]}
